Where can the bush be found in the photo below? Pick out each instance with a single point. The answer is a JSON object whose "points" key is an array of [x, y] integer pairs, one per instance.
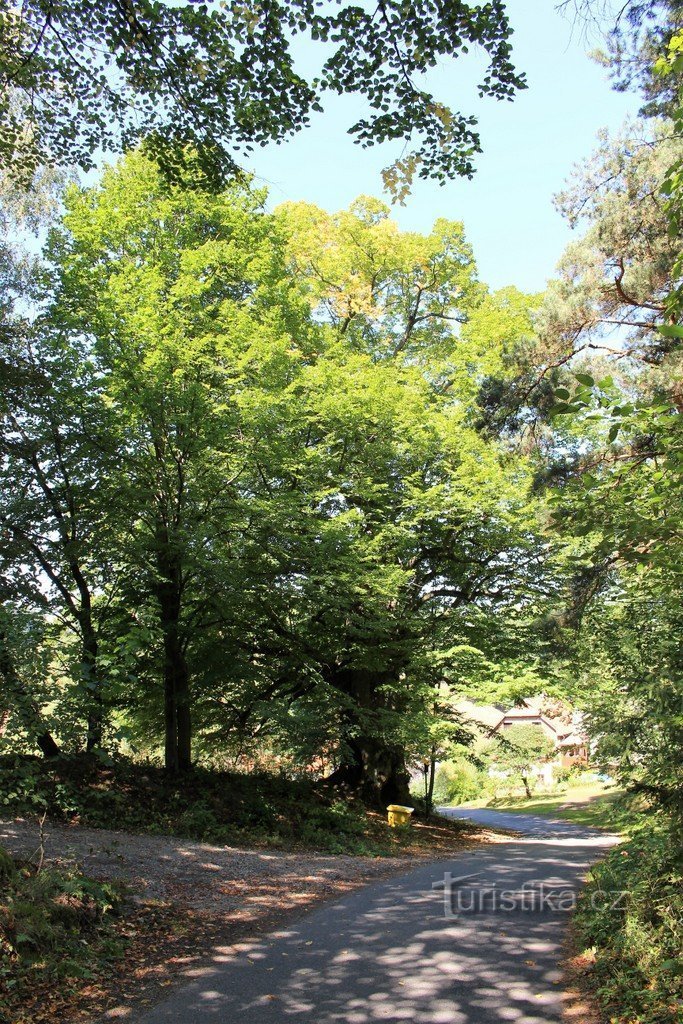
{"points": [[54, 924], [579, 775], [637, 940], [456, 781]]}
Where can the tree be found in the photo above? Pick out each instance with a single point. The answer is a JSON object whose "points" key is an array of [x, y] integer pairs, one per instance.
{"points": [[56, 433], [186, 315], [43, 529], [630, 669], [670, 66], [636, 34], [603, 379], [618, 483], [21, 646], [220, 79], [611, 296], [393, 294], [417, 528], [519, 749], [444, 733]]}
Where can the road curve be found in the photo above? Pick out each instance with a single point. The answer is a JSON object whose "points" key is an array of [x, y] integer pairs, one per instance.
{"points": [[529, 824], [482, 948]]}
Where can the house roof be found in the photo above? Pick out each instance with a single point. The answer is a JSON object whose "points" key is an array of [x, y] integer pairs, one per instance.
{"points": [[574, 739], [521, 714], [492, 717], [483, 714]]}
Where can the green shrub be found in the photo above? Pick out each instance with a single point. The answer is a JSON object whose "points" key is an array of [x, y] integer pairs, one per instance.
{"points": [[199, 822], [637, 938], [54, 924], [20, 784], [563, 776], [457, 781]]}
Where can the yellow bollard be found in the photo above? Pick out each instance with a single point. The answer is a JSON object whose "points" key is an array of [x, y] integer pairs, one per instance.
{"points": [[399, 815]]}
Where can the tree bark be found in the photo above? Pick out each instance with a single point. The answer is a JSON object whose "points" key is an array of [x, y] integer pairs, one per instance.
{"points": [[177, 716], [375, 771], [374, 768], [178, 738], [89, 653], [429, 794]]}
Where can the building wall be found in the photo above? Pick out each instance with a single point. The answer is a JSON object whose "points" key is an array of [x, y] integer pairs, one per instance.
{"points": [[572, 756]]}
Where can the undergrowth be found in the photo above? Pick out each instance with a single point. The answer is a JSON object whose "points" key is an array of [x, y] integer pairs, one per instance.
{"points": [[630, 924], [212, 806], [55, 928]]}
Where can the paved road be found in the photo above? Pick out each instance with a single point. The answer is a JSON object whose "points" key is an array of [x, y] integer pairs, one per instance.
{"points": [[484, 950], [529, 824]]}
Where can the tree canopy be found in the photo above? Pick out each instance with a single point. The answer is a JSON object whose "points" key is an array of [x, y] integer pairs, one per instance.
{"points": [[202, 83], [270, 496]]}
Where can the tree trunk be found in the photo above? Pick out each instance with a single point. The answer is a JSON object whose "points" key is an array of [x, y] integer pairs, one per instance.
{"points": [[170, 714], [89, 652], [429, 795], [373, 771], [184, 715], [178, 739], [177, 718], [374, 768], [526, 787]]}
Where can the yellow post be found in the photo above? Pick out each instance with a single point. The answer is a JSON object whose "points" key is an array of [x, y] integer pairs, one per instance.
{"points": [[399, 815]]}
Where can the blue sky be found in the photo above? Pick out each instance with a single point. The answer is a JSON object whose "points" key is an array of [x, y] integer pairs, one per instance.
{"points": [[529, 148]]}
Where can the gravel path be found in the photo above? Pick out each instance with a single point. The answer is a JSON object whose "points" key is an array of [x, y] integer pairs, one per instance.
{"points": [[236, 884], [194, 901]]}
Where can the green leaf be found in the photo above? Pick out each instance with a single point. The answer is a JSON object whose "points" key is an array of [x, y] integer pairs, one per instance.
{"points": [[563, 409]]}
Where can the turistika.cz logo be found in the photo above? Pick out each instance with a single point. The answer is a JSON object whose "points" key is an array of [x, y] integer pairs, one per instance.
{"points": [[460, 896]]}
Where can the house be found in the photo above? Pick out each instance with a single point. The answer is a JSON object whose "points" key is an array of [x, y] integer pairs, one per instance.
{"points": [[573, 749], [487, 715], [569, 740]]}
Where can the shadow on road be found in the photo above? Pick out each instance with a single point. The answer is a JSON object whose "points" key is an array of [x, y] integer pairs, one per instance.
{"points": [[394, 952]]}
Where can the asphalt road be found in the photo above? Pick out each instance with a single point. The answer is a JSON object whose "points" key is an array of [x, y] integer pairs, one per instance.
{"points": [[482, 950]]}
